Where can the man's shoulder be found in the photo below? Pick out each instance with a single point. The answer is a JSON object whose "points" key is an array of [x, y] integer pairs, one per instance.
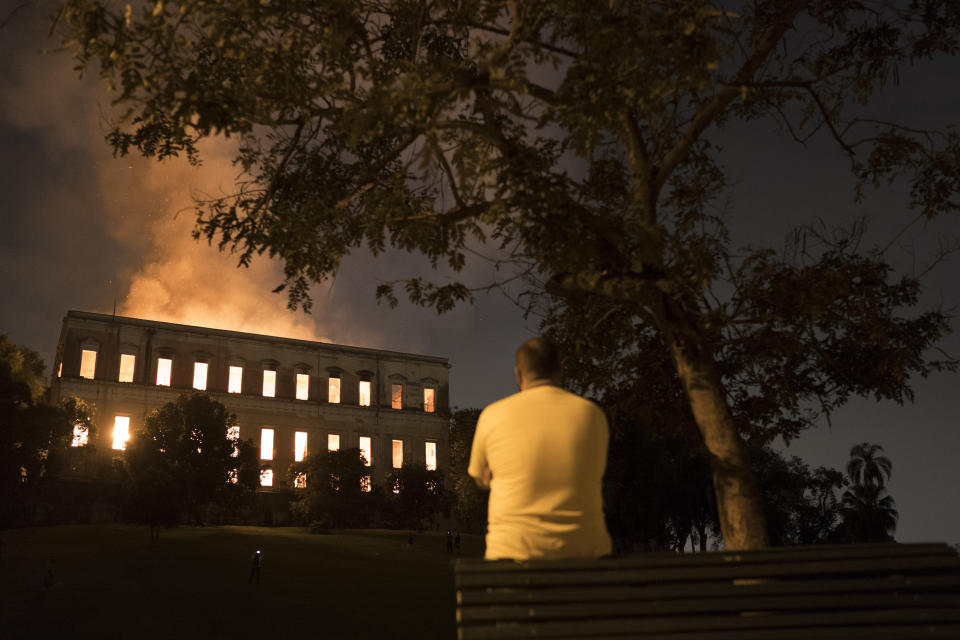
{"points": [[503, 404], [547, 393], [559, 394], [578, 405]]}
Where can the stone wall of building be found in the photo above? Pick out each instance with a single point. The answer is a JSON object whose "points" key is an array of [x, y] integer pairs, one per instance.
{"points": [[110, 337]]}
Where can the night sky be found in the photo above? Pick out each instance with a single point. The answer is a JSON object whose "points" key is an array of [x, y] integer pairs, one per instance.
{"points": [[80, 229]]}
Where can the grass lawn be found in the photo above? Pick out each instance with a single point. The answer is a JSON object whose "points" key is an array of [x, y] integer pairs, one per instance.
{"points": [[109, 583]]}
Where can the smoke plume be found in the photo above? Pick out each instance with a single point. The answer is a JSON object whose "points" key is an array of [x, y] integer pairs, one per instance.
{"points": [[126, 243]]}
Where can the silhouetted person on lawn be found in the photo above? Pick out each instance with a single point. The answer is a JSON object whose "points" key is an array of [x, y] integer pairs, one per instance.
{"points": [[50, 576], [456, 543], [542, 453], [255, 562], [449, 541]]}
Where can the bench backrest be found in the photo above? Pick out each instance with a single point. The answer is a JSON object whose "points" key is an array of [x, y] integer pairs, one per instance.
{"points": [[824, 591]]}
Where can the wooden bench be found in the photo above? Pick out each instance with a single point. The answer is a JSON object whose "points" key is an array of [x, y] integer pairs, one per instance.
{"points": [[819, 592]]}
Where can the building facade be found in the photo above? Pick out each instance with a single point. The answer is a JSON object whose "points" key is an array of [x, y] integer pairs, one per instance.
{"points": [[291, 397]]}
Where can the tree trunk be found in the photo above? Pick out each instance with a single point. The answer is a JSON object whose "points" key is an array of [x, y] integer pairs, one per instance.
{"points": [[742, 521]]}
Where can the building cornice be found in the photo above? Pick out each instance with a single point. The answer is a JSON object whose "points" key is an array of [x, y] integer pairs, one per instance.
{"points": [[326, 347]]}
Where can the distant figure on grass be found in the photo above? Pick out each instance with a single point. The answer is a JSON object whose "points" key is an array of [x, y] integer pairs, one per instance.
{"points": [[542, 453], [449, 541], [50, 576], [256, 561]]}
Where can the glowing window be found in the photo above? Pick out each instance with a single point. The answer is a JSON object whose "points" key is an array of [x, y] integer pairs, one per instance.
{"points": [[333, 393], [88, 363], [233, 434], [233, 476], [365, 485], [333, 442], [299, 446], [364, 393], [428, 399], [300, 481], [235, 380], [81, 435], [396, 396], [266, 478], [397, 454], [164, 367], [431, 456], [60, 370], [269, 383], [200, 376], [266, 444], [303, 386], [365, 449], [127, 362], [121, 432]]}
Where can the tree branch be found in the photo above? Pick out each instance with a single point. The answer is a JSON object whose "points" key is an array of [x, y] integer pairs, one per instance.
{"points": [[708, 112], [634, 288], [506, 33], [807, 85], [445, 167], [640, 167]]}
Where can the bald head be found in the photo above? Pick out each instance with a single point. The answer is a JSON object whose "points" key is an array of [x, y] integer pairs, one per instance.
{"points": [[537, 362]]}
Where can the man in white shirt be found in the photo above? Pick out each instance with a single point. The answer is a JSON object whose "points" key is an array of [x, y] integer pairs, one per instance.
{"points": [[542, 453]]}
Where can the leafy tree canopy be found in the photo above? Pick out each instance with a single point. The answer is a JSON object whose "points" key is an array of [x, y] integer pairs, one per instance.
{"points": [[572, 138], [187, 441], [469, 502], [420, 495], [802, 505], [333, 495], [34, 435], [22, 370]]}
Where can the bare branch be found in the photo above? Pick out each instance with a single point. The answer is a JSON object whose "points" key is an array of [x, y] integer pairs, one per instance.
{"points": [[445, 167], [12, 13], [943, 251], [708, 112], [281, 167]]}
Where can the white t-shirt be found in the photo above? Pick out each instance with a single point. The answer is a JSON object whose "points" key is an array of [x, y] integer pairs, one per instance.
{"points": [[547, 450]]}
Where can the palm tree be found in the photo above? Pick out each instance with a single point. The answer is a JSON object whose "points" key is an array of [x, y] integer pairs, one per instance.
{"points": [[869, 514], [867, 466]]}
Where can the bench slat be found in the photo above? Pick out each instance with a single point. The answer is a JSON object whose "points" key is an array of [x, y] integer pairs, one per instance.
{"points": [[889, 632], [776, 604], [598, 628], [510, 595], [625, 575], [670, 559]]}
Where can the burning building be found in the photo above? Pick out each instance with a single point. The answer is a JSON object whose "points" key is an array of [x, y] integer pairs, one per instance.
{"points": [[291, 397]]}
